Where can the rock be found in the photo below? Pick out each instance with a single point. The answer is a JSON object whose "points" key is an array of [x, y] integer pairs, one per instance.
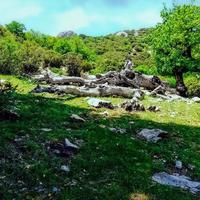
{"points": [[122, 33], [196, 99], [2, 81], [177, 181], [55, 190], [65, 168], [46, 129], [105, 113], [138, 95], [76, 118], [191, 167], [66, 34], [132, 105], [118, 130], [131, 122], [97, 103], [6, 114], [68, 144], [178, 164], [153, 109], [152, 135]]}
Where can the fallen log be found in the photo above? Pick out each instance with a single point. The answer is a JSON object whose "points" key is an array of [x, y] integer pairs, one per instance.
{"points": [[99, 91], [125, 78]]}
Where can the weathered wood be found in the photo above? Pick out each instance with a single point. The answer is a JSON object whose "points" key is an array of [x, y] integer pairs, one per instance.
{"points": [[99, 91]]}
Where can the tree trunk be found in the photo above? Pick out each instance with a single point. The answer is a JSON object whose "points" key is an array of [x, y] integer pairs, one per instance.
{"points": [[180, 86], [100, 91]]}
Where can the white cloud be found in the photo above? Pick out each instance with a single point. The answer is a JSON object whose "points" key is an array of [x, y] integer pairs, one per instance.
{"points": [[78, 18], [17, 10], [75, 19]]}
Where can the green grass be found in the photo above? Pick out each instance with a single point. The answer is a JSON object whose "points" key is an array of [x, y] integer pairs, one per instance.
{"points": [[108, 166]]}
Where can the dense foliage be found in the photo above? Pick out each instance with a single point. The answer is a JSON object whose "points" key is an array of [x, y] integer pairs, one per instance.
{"points": [[176, 42]]}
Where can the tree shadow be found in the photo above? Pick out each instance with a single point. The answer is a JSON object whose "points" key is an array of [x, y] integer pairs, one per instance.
{"points": [[108, 165]]}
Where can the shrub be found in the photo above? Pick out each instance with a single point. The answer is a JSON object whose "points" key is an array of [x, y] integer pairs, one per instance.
{"points": [[192, 81]]}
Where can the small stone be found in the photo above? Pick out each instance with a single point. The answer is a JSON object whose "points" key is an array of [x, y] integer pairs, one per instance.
{"points": [[68, 144], [131, 122], [191, 167], [55, 190], [196, 99], [65, 168], [105, 113], [97, 103], [46, 129], [178, 164], [152, 135], [77, 118], [153, 108], [118, 130]]}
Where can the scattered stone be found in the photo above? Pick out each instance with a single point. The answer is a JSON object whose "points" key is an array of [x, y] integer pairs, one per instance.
{"points": [[153, 108], [6, 114], [118, 130], [2, 81], [105, 113], [46, 129], [65, 168], [177, 180], [196, 99], [152, 135], [132, 105], [191, 167], [102, 126], [97, 103], [173, 114], [178, 164], [68, 144], [138, 95], [76, 118], [55, 190], [62, 148]]}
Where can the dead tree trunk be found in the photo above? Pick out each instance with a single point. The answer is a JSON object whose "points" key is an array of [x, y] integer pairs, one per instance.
{"points": [[99, 91]]}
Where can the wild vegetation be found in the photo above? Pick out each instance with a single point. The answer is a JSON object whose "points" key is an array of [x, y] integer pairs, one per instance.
{"points": [[108, 160]]}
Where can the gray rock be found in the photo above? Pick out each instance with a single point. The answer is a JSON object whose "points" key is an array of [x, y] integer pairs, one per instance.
{"points": [[178, 164], [97, 103], [152, 135], [153, 108], [196, 99], [132, 105], [122, 33], [2, 81], [46, 129], [65, 168], [138, 95], [55, 190], [76, 118], [66, 34], [68, 144], [177, 180], [118, 130]]}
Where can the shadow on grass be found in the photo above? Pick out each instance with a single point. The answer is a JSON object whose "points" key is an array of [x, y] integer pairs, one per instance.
{"points": [[108, 165]]}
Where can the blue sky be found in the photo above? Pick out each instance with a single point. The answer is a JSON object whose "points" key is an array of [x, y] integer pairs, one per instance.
{"points": [[91, 17]]}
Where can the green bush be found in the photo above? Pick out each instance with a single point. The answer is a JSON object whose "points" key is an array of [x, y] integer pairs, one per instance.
{"points": [[192, 81]]}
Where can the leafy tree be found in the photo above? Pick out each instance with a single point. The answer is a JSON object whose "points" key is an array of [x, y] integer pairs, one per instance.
{"points": [[62, 46], [73, 62], [16, 28], [175, 42], [9, 56]]}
